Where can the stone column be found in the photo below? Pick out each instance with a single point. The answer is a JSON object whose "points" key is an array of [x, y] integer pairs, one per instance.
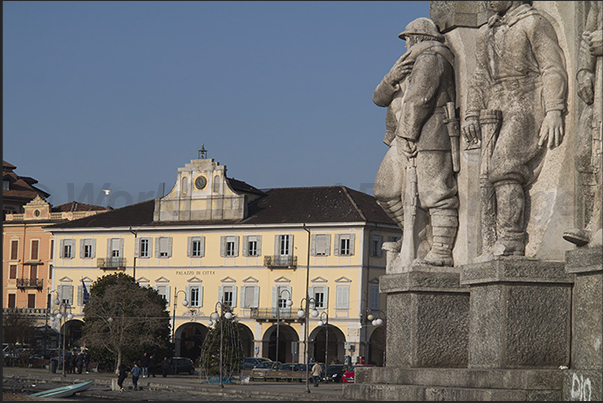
{"points": [[427, 322], [520, 313], [583, 380]]}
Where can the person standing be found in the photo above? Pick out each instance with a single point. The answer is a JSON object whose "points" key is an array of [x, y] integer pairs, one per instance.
{"points": [[144, 365], [135, 375], [122, 374], [152, 365], [165, 366], [316, 370], [79, 362], [417, 92], [520, 74]]}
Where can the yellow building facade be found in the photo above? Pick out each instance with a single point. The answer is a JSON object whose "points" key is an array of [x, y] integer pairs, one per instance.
{"points": [[216, 242]]}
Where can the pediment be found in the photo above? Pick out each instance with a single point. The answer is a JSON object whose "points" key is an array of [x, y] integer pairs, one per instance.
{"points": [[194, 280], [282, 279], [343, 279], [228, 279], [250, 279], [65, 280], [374, 280], [319, 279], [162, 280]]}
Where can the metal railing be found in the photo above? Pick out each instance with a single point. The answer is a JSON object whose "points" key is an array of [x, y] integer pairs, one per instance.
{"points": [[270, 314], [280, 261], [114, 263], [30, 283], [26, 311]]}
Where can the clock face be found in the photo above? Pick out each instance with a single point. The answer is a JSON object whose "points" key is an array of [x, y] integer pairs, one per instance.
{"points": [[200, 182]]}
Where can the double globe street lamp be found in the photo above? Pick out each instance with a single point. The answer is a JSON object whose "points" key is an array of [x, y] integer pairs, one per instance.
{"points": [[63, 312], [185, 304], [214, 317], [304, 313], [287, 304]]}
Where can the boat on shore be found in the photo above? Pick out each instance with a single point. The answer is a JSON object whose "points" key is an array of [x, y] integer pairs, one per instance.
{"points": [[64, 391]]}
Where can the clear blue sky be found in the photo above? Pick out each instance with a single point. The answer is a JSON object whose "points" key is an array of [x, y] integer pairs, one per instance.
{"points": [[124, 93]]}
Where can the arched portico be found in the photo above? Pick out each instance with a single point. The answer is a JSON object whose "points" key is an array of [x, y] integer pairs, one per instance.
{"points": [[189, 338], [288, 343], [333, 344]]}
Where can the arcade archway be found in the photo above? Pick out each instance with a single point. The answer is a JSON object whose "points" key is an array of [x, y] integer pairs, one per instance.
{"points": [[327, 339], [288, 343]]}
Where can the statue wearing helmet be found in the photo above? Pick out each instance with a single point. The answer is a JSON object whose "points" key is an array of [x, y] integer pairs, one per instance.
{"points": [[416, 92]]}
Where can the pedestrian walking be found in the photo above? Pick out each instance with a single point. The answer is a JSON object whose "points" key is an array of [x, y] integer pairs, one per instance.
{"points": [[316, 370], [144, 365], [165, 366], [135, 375], [122, 374]]}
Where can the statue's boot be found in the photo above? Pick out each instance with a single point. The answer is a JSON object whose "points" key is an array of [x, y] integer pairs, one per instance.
{"points": [[510, 206], [444, 225], [577, 236]]}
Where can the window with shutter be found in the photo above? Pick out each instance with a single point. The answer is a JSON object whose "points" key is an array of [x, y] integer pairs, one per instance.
{"points": [[34, 249], [165, 247], [343, 297], [31, 300], [144, 247], [322, 245], [13, 271], [374, 296], [14, 250]]}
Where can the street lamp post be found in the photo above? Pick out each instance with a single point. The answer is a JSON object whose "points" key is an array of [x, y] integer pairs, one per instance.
{"points": [[184, 303], [228, 315], [375, 321], [325, 323], [63, 307], [288, 303], [135, 240], [303, 313]]}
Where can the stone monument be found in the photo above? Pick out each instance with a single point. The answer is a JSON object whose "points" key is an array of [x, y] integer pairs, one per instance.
{"points": [[516, 312]]}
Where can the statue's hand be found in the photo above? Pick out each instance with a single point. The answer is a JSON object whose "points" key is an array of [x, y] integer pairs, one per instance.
{"points": [[407, 147], [399, 70], [551, 130], [586, 85], [594, 41], [471, 131]]}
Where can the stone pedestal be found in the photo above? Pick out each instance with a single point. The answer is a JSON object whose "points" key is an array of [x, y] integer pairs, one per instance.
{"points": [[520, 313], [583, 380], [428, 313]]}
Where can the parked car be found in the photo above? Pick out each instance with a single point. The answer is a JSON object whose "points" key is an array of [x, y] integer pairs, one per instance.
{"points": [[251, 362], [181, 364], [263, 369], [334, 373], [348, 376]]}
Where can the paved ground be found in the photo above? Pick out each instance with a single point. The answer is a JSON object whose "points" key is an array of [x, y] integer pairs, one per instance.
{"points": [[18, 383]]}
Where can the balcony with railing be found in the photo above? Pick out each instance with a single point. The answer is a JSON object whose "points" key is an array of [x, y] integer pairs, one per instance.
{"points": [[111, 263], [280, 262], [271, 314], [30, 283]]}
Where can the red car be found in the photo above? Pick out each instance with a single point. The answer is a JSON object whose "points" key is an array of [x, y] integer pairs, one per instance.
{"points": [[348, 376]]}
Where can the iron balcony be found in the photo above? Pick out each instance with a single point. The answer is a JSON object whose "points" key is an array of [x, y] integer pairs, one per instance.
{"points": [[29, 283], [111, 263], [280, 262]]}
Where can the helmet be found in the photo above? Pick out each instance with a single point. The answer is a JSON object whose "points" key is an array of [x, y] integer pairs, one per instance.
{"points": [[422, 26]]}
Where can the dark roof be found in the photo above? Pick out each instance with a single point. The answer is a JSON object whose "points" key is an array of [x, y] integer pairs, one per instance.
{"points": [[75, 206], [240, 186], [281, 205], [315, 204], [7, 166], [21, 187], [134, 214]]}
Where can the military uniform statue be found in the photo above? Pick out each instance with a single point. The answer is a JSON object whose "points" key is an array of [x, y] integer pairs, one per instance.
{"points": [[588, 151], [419, 92], [515, 108]]}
